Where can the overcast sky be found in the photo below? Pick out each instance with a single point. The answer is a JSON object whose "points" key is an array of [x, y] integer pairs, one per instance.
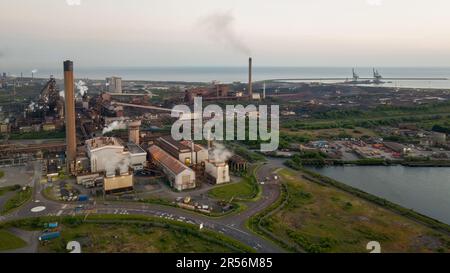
{"points": [[42, 33]]}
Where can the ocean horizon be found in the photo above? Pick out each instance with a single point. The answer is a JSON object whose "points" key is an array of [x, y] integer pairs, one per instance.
{"points": [[228, 74]]}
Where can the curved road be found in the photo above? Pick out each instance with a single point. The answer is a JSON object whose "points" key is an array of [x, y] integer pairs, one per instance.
{"points": [[232, 225]]}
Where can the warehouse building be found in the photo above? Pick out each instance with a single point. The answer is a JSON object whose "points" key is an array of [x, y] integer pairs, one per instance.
{"points": [[138, 156], [185, 151], [107, 155], [180, 176]]}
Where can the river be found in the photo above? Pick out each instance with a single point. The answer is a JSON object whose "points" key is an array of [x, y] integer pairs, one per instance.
{"points": [[425, 190]]}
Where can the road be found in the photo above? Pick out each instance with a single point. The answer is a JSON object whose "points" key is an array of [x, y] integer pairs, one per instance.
{"points": [[232, 225]]}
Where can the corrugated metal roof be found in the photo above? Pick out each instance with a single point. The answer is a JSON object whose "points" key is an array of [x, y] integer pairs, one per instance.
{"points": [[134, 148], [188, 144], [167, 160], [176, 144]]}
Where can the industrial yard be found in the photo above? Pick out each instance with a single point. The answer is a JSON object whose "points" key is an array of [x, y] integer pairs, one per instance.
{"points": [[111, 152]]}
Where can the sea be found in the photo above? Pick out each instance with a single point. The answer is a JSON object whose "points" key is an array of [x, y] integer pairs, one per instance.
{"points": [[260, 73]]}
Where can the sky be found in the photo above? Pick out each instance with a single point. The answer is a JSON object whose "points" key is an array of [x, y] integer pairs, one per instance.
{"points": [[99, 33]]}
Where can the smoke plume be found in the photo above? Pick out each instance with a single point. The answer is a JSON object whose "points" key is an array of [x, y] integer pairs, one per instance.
{"points": [[32, 106], [219, 27], [220, 153], [116, 125], [81, 88]]}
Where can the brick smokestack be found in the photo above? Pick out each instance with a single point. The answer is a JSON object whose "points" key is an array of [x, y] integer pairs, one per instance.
{"points": [[250, 84], [71, 140]]}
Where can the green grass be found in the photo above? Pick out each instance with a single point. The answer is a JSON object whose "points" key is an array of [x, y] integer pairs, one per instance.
{"points": [[2, 173], [131, 238], [321, 218], [49, 193], [20, 198], [424, 116], [246, 189], [4, 190], [132, 233], [9, 241], [38, 135]]}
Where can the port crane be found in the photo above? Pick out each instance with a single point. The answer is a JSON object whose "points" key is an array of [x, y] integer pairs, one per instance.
{"points": [[355, 76], [376, 76]]}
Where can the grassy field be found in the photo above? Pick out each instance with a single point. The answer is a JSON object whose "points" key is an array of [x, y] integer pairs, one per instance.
{"points": [[332, 133], [320, 218], [9, 241], [38, 135], [246, 189], [4, 190], [20, 198], [131, 234], [2, 173], [423, 116], [131, 238]]}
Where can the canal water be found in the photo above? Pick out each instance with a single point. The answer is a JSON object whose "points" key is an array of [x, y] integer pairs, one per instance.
{"points": [[425, 190]]}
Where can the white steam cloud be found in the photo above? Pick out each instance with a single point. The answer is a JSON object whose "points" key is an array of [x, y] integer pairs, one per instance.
{"points": [[81, 88], [32, 106], [114, 162], [34, 71], [219, 27], [116, 125], [220, 153]]}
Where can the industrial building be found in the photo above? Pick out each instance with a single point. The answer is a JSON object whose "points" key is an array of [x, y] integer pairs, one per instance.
{"points": [[114, 85], [217, 172], [102, 151], [184, 151], [109, 156], [238, 164], [180, 176], [222, 91], [106, 154], [138, 156], [191, 154], [117, 184]]}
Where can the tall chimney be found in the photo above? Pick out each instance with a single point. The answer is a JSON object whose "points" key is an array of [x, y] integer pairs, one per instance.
{"points": [[264, 90], [193, 153], [71, 140], [250, 84]]}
